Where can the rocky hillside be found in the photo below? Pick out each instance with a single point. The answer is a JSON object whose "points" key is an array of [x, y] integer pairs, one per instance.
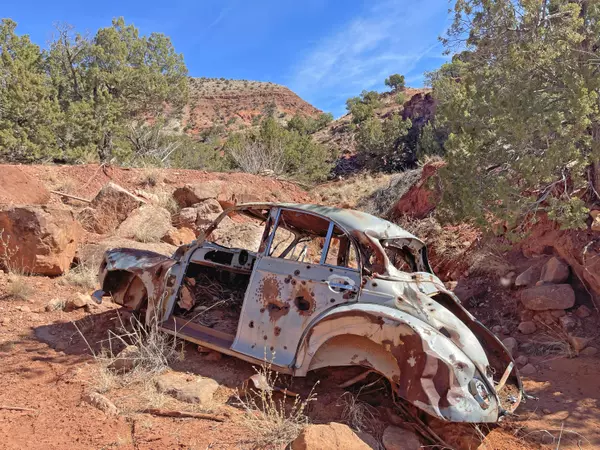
{"points": [[418, 106], [234, 104]]}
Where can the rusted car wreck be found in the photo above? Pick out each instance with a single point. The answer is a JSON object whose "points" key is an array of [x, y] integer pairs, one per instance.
{"points": [[325, 287]]}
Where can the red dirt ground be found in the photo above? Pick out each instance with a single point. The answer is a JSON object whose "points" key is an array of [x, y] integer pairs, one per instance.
{"points": [[51, 379]]}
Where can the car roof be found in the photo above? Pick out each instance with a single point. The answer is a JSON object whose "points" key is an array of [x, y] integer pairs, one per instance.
{"points": [[351, 220]]}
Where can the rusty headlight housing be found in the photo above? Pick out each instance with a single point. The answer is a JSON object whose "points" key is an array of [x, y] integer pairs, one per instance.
{"points": [[480, 392]]}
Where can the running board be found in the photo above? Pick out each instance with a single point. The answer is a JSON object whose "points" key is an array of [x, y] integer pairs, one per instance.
{"points": [[207, 337]]}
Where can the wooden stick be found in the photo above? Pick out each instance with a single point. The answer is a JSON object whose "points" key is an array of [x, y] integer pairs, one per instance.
{"points": [[502, 381], [15, 408], [72, 196], [182, 414], [355, 379]]}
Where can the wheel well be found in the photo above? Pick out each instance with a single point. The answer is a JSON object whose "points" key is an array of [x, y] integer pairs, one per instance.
{"points": [[355, 350]]}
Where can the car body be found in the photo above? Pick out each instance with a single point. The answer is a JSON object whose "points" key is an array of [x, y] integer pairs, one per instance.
{"points": [[326, 287]]}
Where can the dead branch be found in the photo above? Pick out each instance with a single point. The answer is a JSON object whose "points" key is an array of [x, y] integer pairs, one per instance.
{"points": [[355, 379], [15, 408], [71, 196], [182, 414]]}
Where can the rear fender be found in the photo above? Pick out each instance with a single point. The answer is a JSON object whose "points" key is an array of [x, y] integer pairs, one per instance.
{"points": [[425, 367], [133, 276]]}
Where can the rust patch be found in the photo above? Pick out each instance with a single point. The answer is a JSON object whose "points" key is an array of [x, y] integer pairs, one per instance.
{"points": [[304, 300], [269, 293], [277, 331]]}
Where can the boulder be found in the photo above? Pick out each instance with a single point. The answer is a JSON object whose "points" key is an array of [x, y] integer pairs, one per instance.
{"points": [[329, 436], [227, 193], [578, 343], [78, 301], [111, 206], [146, 224], [583, 311], [245, 235], [528, 370], [551, 296], [527, 327], [179, 236], [522, 360], [185, 218], [187, 388], [568, 323], [39, 239], [511, 345], [396, 438], [207, 212], [102, 403], [555, 271], [527, 278], [91, 254], [588, 351]]}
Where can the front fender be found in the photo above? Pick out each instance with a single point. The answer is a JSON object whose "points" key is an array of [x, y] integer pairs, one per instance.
{"points": [[424, 366], [133, 276]]}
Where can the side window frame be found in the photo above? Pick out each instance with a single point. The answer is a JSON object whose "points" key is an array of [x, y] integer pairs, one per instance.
{"points": [[326, 245]]}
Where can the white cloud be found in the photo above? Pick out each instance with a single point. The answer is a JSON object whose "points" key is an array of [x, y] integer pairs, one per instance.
{"points": [[390, 37]]}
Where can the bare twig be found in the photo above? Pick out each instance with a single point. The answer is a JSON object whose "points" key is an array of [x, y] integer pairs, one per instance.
{"points": [[182, 414], [71, 196], [15, 408]]}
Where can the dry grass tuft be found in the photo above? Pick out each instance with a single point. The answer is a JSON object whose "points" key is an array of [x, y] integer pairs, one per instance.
{"points": [[353, 192], [164, 199], [552, 342], [271, 421], [155, 351], [18, 287], [151, 177], [84, 275], [359, 415]]}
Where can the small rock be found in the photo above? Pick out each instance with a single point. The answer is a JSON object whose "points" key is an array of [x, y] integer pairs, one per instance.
{"points": [[588, 351], [511, 345], [546, 411], [5, 321], [126, 360], [583, 311], [102, 403], [79, 301], [396, 438], [328, 436], [522, 360], [558, 313], [595, 220], [529, 369], [526, 315], [368, 439], [451, 285], [179, 236], [213, 356], [550, 296], [507, 280], [496, 329], [527, 327], [190, 389], [555, 271], [24, 309], [526, 278], [578, 343], [568, 323]]}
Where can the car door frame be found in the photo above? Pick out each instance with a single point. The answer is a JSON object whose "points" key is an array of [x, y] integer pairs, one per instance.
{"points": [[274, 316]]}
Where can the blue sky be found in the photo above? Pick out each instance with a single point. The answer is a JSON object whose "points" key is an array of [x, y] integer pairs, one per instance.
{"points": [[324, 50]]}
